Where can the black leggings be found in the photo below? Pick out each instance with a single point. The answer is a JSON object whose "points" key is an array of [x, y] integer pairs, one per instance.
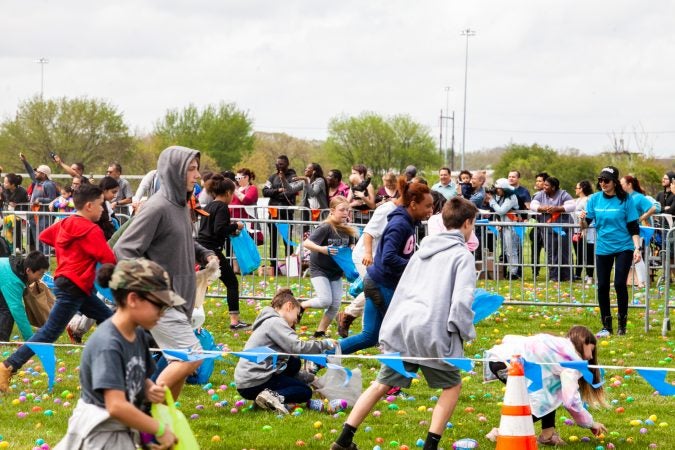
{"points": [[230, 281], [498, 368], [621, 262]]}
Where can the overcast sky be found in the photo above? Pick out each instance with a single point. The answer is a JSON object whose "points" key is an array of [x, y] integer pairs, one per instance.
{"points": [[560, 73]]}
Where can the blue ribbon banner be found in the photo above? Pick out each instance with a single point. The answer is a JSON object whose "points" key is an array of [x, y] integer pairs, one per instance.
{"points": [[45, 352], [394, 361], [657, 379], [484, 304], [582, 366], [285, 232], [532, 373]]}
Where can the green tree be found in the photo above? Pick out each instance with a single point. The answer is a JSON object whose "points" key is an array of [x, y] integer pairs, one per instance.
{"points": [[223, 132], [88, 130], [381, 143]]}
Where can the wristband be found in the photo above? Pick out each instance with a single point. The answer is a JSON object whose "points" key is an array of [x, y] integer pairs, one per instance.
{"points": [[160, 429]]}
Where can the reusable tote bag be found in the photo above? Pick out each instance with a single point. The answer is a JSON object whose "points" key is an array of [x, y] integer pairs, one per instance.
{"points": [[246, 252], [170, 415]]}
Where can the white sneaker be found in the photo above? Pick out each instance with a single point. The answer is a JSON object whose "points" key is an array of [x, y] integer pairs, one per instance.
{"points": [[271, 401], [589, 280], [492, 435], [604, 333]]}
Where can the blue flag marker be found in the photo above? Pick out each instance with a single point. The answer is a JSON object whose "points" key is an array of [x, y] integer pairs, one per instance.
{"points": [[45, 352], [394, 361], [657, 379], [285, 232]]}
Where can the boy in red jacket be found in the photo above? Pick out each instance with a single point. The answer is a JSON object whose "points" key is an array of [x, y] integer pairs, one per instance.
{"points": [[79, 245]]}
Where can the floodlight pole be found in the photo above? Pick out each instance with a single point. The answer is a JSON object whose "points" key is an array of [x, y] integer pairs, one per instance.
{"points": [[468, 33], [42, 61]]}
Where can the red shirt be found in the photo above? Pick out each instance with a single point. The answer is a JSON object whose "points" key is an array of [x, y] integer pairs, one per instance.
{"points": [[79, 245]]}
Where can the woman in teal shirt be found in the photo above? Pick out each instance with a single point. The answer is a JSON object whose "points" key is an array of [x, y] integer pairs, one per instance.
{"points": [[617, 244]]}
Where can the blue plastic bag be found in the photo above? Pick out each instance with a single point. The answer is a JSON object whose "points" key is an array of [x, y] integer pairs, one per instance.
{"points": [[246, 252], [484, 304], [343, 258], [356, 287]]}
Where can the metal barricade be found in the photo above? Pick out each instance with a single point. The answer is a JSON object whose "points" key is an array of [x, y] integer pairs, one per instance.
{"points": [[513, 273]]}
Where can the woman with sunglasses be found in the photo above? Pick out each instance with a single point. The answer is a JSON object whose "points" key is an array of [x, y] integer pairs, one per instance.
{"points": [[245, 195], [617, 244], [116, 363]]}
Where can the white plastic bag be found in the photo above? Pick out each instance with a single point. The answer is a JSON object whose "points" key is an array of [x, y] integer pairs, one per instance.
{"points": [[332, 385]]}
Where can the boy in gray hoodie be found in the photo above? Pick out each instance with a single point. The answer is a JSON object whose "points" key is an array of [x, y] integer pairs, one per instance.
{"points": [[272, 385], [162, 232], [429, 316]]}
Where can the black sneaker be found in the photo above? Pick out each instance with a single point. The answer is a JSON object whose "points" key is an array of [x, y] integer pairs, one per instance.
{"points": [[239, 325]]}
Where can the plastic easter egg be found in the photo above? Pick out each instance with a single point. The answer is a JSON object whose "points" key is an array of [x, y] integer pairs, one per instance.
{"points": [[317, 424], [215, 438], [419, 443], [465, 443]]}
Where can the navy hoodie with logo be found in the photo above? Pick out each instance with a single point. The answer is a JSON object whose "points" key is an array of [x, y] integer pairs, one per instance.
{"points": [[394, 250]]}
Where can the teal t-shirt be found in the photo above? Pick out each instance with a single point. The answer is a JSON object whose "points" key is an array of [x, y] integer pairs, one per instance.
{"points": [[641, 202], [611, 217]]}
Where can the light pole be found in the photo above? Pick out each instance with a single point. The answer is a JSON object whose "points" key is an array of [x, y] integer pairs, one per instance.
{"points": [[42, 61], [468, 33]]}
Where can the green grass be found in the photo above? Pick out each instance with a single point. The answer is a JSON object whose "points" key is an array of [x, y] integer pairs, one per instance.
{"points": [[477, 411]]}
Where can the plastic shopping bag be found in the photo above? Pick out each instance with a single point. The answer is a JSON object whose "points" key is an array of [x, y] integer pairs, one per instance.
{"points": [[170, 415], [246, 252]]}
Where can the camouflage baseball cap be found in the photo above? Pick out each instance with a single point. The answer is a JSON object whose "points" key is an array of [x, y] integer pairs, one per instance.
{"points": [[143, 275]]}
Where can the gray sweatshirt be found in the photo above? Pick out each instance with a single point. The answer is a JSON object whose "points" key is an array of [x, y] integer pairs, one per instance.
{"points": [[162, 230], [430, 314], [271, 330]]}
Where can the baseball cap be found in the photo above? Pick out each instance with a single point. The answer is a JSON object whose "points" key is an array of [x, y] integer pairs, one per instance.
{"points": [[44, 169], [143, 275]]}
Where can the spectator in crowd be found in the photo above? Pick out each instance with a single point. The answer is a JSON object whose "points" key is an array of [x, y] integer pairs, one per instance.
{"points": [[245, 196], [13, 194], [362, 194], [445, 185], [410, 173], [464, 181], [646, 207], [64, 202], [282, 191], [16, 273], [314, 191], [162, 232], [477, 189], [521, 191], [504, 203], [536, 238], [78, 181], [74, 170], [42, 193], [584, 240], [335, 184], [108, 222], [617, 244], [124, 195], [387, 191], [148, 186], [669, 207], [555, 205], [203, 197], [664, 195]]}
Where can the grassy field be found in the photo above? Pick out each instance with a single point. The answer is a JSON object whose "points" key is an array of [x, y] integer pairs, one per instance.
{"points": [[30, 416]]}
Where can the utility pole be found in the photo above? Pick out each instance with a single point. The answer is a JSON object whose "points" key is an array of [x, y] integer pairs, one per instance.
{"points": [[468, 33], [42, 61]]}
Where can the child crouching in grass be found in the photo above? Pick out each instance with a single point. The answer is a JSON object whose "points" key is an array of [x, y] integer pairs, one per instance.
{"points": [[273, 386], [116, 363]]}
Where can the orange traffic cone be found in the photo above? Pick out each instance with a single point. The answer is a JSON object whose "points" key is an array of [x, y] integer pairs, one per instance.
{"points": [[516, 428]]}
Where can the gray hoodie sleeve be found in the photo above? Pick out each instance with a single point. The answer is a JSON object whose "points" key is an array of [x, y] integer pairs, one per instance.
{"points": [[460, 319]]}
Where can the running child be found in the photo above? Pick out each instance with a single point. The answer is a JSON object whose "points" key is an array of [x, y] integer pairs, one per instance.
{"points": [[325, 273], [79, 245], [429, 316]]}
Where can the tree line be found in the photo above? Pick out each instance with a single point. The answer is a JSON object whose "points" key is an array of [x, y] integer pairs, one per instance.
{"points": [[94, 132]]}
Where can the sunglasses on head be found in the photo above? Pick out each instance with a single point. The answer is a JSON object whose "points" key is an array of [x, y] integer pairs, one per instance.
{"points": [[603, 180]]}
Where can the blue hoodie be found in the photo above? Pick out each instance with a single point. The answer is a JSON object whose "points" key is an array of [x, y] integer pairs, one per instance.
{"points": [[394, 250]]}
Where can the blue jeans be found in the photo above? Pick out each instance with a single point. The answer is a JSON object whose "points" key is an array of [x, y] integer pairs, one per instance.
{"points": [[284, 383], [373, 315], [69, 300]]}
